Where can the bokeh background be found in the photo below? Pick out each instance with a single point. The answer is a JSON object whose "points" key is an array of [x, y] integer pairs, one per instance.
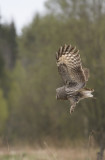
{"points": [[30, 35]]}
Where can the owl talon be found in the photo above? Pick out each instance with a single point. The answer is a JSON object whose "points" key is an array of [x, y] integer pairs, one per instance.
{"points": [[72, 109]]}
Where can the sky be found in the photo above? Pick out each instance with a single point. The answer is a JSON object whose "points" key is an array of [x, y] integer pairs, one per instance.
{"points": [[20, 11]]}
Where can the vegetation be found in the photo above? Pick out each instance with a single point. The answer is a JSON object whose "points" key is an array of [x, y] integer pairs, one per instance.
{"points": [[49, 154]]}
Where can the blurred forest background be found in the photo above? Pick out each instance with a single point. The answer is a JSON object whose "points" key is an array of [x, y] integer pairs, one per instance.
{"points": [[29, 111]]}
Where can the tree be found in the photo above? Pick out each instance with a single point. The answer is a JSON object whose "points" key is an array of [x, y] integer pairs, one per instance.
{"points": [[3, 112]]}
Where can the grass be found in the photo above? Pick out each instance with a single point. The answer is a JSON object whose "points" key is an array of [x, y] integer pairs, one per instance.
{"points": [[49, 154]]}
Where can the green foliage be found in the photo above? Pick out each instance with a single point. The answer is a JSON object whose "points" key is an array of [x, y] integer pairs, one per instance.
{"points": [[8, 45], [3, 112]]}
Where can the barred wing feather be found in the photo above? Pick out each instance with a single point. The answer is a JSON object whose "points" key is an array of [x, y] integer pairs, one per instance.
{"points": [[70, 67]]}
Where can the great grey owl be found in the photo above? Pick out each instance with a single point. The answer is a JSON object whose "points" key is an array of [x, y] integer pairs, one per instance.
{"points": [[74, 76]]}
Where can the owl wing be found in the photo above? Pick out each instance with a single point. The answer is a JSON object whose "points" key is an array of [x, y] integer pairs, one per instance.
{"points": [[86, 72], [70, 67]]}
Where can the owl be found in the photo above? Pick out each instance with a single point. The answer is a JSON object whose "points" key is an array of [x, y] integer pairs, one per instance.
{"points": [[73, 75]]}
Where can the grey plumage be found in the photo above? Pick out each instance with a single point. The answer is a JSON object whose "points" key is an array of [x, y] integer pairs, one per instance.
{"points": [[74, 76]]}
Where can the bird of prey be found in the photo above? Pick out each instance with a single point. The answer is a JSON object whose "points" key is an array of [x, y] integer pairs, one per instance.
{"points": [[74, 76]]}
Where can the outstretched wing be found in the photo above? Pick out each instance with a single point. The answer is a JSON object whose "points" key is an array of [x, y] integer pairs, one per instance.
{"points": [[86, 72], [70, 67]]}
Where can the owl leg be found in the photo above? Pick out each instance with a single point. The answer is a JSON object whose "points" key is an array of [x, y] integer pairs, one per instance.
{"points": [[72, 108], [73, 104]]}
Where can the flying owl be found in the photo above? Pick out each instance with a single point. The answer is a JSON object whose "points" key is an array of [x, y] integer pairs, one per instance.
{"points": [[74, 76]]}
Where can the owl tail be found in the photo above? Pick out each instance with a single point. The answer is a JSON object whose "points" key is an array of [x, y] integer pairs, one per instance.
{"points": [[87, 93]]}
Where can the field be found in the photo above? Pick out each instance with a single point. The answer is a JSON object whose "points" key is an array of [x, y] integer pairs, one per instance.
{"points": [[49, 153]]}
